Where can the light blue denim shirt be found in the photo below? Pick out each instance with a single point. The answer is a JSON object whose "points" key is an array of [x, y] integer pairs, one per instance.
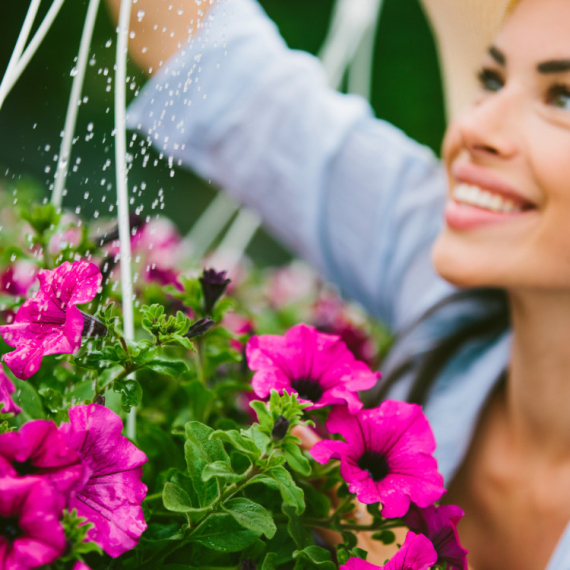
{"points": [[348, 192]]}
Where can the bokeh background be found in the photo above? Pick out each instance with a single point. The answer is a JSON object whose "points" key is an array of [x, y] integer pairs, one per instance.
{"points": [[406, 92]]}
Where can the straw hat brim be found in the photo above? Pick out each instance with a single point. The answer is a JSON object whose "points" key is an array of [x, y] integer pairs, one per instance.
{"points": [[463, 30]]}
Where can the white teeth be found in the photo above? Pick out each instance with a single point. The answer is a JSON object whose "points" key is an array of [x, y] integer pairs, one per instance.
{"points": [[475, 196]]}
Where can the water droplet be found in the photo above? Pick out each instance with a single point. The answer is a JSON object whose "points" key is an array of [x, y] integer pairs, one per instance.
{"points": [[73, 72], [90, 127]]}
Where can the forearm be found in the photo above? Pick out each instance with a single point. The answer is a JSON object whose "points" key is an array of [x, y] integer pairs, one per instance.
{"points": [[160, 28]]}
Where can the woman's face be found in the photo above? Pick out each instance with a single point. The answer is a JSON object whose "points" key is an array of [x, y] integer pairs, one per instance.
{"points": [[508, 161]]}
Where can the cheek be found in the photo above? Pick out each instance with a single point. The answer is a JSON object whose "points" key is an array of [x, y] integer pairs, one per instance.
{"points": [[452, 144]]}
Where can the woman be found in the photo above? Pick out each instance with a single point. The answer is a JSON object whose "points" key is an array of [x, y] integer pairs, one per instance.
{"points": [[369, 207]]}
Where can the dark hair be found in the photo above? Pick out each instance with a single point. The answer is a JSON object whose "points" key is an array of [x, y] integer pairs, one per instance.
{"points": [[490, 319]]}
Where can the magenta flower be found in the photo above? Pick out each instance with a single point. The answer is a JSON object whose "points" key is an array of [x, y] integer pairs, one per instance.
{"points": [[81, 566], [39, 449], [111, 499], [417, 553], [316, 366], [30, 532], [17, 279], [6, 388], [50, 323], [439, 524], [387, 457]]}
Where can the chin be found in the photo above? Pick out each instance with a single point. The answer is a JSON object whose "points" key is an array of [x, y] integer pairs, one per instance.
{"points": [[462, 264]]}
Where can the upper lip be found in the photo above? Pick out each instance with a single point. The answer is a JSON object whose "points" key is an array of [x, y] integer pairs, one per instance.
{"points": [[469, 173]]}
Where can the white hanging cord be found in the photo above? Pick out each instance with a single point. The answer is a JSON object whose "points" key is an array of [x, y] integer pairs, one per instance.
{"points": [[350, 21], [361, 68], [123, 184], [32, 48], [5, 86], [235, 242], [210, 224], [73, 107]]}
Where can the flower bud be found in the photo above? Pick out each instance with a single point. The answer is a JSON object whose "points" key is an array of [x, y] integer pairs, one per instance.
{"points": [[92, 327], [247, 564], [214, 284], [99, 400], [200, 327], [280, 428]]}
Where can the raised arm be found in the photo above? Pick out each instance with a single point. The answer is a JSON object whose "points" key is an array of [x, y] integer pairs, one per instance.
{"points": [[348, 192], [161, 28]]}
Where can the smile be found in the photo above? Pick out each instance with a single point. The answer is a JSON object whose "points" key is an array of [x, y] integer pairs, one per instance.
{"points": [[485, 199]]}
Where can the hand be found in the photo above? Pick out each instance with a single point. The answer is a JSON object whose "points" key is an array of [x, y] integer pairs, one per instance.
{"points": [[378, 553], [161, 28]]}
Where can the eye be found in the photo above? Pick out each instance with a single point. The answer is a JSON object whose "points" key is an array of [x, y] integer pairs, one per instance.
{"points": [[559, 96], [490, 80]]}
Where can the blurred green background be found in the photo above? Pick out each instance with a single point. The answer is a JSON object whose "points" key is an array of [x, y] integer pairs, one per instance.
{"points": [[406, 92]]}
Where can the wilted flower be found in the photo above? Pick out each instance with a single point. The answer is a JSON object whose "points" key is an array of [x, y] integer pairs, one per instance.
{"points": [[332, 315], [200, 327], [111, 499], [39, 449], [30, 532], [316, 366], [50, 323], [214, 284], [6, 388], [417, 553], [387, 456], [439, 524], [280, 428]]}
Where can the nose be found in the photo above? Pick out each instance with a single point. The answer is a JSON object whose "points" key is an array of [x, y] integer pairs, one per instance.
{"points": [[489, 128]]}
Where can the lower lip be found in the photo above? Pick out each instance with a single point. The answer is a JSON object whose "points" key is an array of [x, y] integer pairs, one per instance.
{"points": [[465, 217]]}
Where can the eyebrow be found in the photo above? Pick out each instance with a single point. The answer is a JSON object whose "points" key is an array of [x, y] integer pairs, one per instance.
{"points": [[554, 66], [498, 55]]}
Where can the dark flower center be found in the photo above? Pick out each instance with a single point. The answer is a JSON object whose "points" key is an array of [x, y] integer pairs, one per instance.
{"points": [[307, 389], [375, 463], [10, 528], [24, 468]]}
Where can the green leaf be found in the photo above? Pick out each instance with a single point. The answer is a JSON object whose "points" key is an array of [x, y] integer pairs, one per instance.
{"points": [[176, 499], [295, 458], [260, 439], [172, 368], [200, 451], [269, 561], [220, 469], [296, 529], [131, 392], [385, 536], [263, 415], [290, 493], [29, 400], [314, 557], [223, 533], [251, 516], [241, 443]]}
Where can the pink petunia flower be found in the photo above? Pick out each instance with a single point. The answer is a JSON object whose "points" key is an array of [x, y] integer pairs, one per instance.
{"points": [[439, 524], [417, 553], [316, 366], [6, 388], [39, 449], [30, 532], [50, 323], [17, 279], [386, 457], [111, 499], [81, 566]]}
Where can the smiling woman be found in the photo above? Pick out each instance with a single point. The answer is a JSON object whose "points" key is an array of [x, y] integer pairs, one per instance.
{"points": [[371, 207]]}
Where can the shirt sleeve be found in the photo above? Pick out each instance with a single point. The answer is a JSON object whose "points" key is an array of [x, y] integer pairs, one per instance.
{"points": [[350, 193]]}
